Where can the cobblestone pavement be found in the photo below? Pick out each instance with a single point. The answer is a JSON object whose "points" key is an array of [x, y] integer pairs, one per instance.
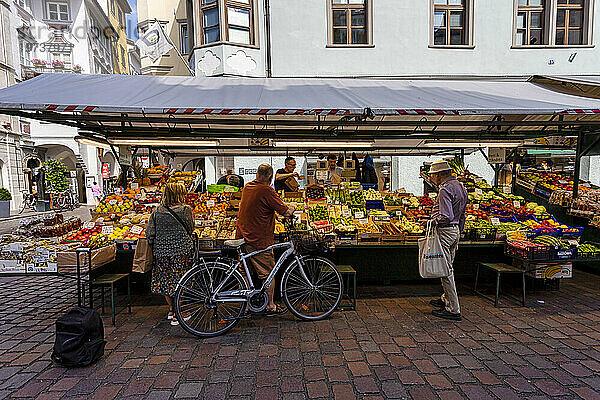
{"points": [[388, 348]]}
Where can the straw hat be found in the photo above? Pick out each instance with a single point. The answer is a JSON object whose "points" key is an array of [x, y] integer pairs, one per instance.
{"points": [[439, 166]]}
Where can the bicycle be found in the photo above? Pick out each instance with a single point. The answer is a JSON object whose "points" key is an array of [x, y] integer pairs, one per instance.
{"points": [[64, 201], [213, 296], [29, 201]]}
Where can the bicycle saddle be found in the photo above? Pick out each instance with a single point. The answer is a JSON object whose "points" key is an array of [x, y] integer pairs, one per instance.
{"points": [[234, 243]]}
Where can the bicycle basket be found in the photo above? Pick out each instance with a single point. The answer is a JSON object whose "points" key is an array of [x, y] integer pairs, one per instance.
{"points": [[313, 241]]}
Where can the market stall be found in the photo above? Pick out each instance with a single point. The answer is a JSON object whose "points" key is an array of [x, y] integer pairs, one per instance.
{"points": [[308, 116]]}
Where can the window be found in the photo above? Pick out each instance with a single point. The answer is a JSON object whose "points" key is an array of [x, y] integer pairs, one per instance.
{"points": [[24, 4], [239, 21], [122, 56], [569, 22], [450, 22], [24, 52], [121, 20], [183, 38], [65, 58], [112, 7], [57, 11], [225, 20], [210, 21], [552, 22], [348, 22], [530, 23]]}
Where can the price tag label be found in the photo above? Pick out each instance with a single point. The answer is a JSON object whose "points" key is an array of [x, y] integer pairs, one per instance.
{"points": [[136, 229], [363, 221], [478, 191], [563, 182], [100, 220], [495, 221], [516, 204], [89, 225], [433, 195], [346, 213], [135, 186], [138, 196], [107, 230], [321, 175], [359, 215], [476, 206], [210, 203], [506, 189], [112, 202]]}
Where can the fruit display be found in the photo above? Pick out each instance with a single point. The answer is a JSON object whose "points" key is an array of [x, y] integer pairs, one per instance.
{"points": [[426, 201], [83, 235], [318, 213], [390, 200], [158, 170], [411, 227], [186, 177], [505, 227], [372, 194], [62, 228], [588, 250], [315, 192], [411, 202], [227, 227], [357, 198]]}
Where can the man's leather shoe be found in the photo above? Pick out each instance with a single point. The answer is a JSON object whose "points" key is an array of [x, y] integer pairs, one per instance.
{"points": [[446, 315], [439, 303]]}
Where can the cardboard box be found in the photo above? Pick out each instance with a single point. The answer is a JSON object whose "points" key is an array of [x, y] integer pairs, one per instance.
{"points": [[553, 271], [67, 260]]}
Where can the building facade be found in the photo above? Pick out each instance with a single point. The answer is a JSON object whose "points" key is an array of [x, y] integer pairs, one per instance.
{"points": [[60, 36], [390, 38], [172, 15], [117, 11]]}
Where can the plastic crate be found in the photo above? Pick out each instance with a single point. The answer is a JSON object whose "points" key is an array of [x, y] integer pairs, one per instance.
{"points": [[367, 186], [529, 252], [483, 234], [497, 212], [570, 232], [374, 205]]}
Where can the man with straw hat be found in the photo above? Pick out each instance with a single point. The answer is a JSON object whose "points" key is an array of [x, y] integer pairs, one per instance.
{"points": [[449, 216]]}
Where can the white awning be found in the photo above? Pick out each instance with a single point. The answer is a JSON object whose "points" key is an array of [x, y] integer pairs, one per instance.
{"points": [[285, 96]]}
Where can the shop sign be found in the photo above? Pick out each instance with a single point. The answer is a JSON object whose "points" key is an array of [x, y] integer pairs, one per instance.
{"points": [[125, 155], [496, 155], [105, 170]]}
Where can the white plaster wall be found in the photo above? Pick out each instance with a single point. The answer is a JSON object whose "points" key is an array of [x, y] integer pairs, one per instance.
{"points": [[595, 170], [401, 40]]}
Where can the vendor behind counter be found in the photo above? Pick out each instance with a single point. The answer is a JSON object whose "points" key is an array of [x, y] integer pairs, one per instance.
{"points": [[285, 178]]}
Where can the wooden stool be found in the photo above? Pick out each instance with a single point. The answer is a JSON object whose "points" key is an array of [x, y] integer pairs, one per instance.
{"points": [[109, 280], [501, 268], [348, 276]]}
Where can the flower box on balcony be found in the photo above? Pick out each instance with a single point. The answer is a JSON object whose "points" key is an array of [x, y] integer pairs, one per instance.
{"points": [[58, 64], [38, 63]]}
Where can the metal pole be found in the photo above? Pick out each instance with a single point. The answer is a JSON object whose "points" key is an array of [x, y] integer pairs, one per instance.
{"points": [[578, 155]]}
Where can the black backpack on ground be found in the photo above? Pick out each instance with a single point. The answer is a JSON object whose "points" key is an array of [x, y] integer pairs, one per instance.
{"points": [[79, 338]]}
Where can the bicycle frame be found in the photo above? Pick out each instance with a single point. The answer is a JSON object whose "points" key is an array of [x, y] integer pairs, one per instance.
{"points": [[242, 295]]}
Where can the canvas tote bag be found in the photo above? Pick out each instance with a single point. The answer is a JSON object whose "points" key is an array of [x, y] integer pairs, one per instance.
{"points": [[432, 261]]}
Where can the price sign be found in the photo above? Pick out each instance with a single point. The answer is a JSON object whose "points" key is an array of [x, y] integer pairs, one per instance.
{"points": [[112, 202], [346, 213], [475, 206], [135, 186], [506, 189], [210, 203], [359, 215], [495, 221], [363, 221], [516, 204], [107, 230], [89, 225], [478, 191], [136, 229]]}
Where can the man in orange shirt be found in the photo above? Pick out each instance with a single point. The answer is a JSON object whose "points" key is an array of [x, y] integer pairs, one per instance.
{"points": [[256, 223]]}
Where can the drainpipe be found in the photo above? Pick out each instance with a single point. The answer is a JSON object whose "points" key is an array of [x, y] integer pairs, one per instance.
{"points": [[268, 38]]}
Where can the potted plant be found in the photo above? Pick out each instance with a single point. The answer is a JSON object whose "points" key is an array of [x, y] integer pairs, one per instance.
{"points": [[38, 63], [58, 64], [5, 199], [77, 69]]}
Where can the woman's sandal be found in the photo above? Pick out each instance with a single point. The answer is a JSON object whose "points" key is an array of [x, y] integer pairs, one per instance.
{"points": [[170, 316], [277, 311]]}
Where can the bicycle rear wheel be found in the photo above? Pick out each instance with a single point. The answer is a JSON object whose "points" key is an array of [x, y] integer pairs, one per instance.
{"points": [[316, 298], [194, 310]]}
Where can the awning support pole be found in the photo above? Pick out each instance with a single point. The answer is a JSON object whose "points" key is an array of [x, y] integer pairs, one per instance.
{"points": [[578, 155]]}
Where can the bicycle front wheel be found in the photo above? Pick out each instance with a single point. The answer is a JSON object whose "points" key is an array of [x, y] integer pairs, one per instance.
{"points": [[199, 315], [312, 288]]}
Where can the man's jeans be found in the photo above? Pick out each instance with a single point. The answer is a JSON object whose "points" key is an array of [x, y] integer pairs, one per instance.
{"points": [[449, 237]]}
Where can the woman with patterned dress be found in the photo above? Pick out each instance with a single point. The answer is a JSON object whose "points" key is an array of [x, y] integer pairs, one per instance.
{"points": [[171, 242]]}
